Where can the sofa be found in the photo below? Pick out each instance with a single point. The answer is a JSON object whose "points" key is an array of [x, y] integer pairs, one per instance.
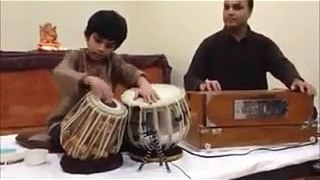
{"points": [[28, 92]]}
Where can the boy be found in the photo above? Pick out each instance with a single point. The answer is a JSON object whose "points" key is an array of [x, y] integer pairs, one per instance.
{"points": [[95, 68]]}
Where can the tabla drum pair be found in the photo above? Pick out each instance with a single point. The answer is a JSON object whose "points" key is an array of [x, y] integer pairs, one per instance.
{"points": [[93, 130]]}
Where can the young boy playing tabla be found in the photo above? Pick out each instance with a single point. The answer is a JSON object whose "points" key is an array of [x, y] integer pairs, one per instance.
{"points": [[96, 68]]}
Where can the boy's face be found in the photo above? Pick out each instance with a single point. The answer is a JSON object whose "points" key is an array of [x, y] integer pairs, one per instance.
{"points": [[99, 48]]}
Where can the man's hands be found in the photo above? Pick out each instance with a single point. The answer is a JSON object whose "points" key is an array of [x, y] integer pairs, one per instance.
{"points": [[297, 84], [100, 88], [303, 87], [210, 85], [145, 91]]}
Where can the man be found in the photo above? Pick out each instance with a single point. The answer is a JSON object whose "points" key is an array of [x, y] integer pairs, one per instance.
{"points": [[237, 58]]}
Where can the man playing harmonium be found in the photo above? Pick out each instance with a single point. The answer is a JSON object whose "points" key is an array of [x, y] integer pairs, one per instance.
{"points": [[237, 58]]}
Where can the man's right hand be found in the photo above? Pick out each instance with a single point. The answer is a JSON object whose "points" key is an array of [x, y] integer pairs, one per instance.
{"points": [[100, 88], [210, 85]]}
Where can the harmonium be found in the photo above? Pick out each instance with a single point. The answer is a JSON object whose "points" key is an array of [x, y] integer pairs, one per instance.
{"points": [[249, 118]]}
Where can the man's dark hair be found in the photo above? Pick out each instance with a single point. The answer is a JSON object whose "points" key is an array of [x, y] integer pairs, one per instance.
{"points": [[108, 25], [250, 5]]}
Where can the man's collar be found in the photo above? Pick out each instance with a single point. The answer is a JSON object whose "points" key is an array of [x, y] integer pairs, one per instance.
{"points": [[248, 33]]}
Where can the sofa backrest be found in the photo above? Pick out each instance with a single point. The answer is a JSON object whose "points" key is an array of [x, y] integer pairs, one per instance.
{"points": [[29, 93]]}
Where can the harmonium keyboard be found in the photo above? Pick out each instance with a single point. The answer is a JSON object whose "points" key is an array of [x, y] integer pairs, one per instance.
{"points": [[249, 118]]}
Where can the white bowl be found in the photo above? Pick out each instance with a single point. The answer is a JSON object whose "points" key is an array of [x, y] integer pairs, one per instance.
{"points": [[34, 157]]}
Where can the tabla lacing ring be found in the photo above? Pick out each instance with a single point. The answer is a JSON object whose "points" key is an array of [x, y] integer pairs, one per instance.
{"points": [[313, 139], [207, 146]]}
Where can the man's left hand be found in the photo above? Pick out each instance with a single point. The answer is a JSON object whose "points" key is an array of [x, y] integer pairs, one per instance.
{"points": [[303, 87]]}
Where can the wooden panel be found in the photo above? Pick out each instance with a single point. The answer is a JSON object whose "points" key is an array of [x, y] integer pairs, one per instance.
{"points": [[229, 132], [196, 102], [17, 130], [153, 74], [219, 107], [251, 136], [27, 97]]}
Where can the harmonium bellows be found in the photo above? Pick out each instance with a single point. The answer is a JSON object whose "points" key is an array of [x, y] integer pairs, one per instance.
{"points": [[249, 118]]}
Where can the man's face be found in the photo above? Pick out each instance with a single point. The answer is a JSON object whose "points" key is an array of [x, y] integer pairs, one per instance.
{"points": [[235, 13], [98, 47]]}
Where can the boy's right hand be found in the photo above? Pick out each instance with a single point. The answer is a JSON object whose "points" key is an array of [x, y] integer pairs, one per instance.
{"points": [[100, 88]]}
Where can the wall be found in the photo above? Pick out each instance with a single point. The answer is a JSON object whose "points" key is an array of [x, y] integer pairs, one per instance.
{"points": [[174, 28]]}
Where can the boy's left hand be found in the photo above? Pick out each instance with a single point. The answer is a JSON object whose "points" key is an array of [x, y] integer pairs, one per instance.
{"points": [[148, 94], [145, 91]]}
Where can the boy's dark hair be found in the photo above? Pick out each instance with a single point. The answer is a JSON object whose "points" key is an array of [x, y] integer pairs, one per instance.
{"points": [[109, 25]]}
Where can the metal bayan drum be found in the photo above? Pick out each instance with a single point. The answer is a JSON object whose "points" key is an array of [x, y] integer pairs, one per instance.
{"points": [[154, 130], [92, 129]]}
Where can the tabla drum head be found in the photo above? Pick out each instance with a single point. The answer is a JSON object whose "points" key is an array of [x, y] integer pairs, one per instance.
{"points": [[167, 93], [114, 108]]}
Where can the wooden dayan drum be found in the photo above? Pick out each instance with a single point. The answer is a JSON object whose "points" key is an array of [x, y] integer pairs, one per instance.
{"points": [[245, 118]]}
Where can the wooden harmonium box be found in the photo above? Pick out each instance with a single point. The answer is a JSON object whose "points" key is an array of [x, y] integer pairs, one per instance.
{"points": [[249, 118]]}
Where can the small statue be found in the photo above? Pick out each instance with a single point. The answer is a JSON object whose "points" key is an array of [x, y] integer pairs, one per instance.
{"points": [[48, 37]]}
